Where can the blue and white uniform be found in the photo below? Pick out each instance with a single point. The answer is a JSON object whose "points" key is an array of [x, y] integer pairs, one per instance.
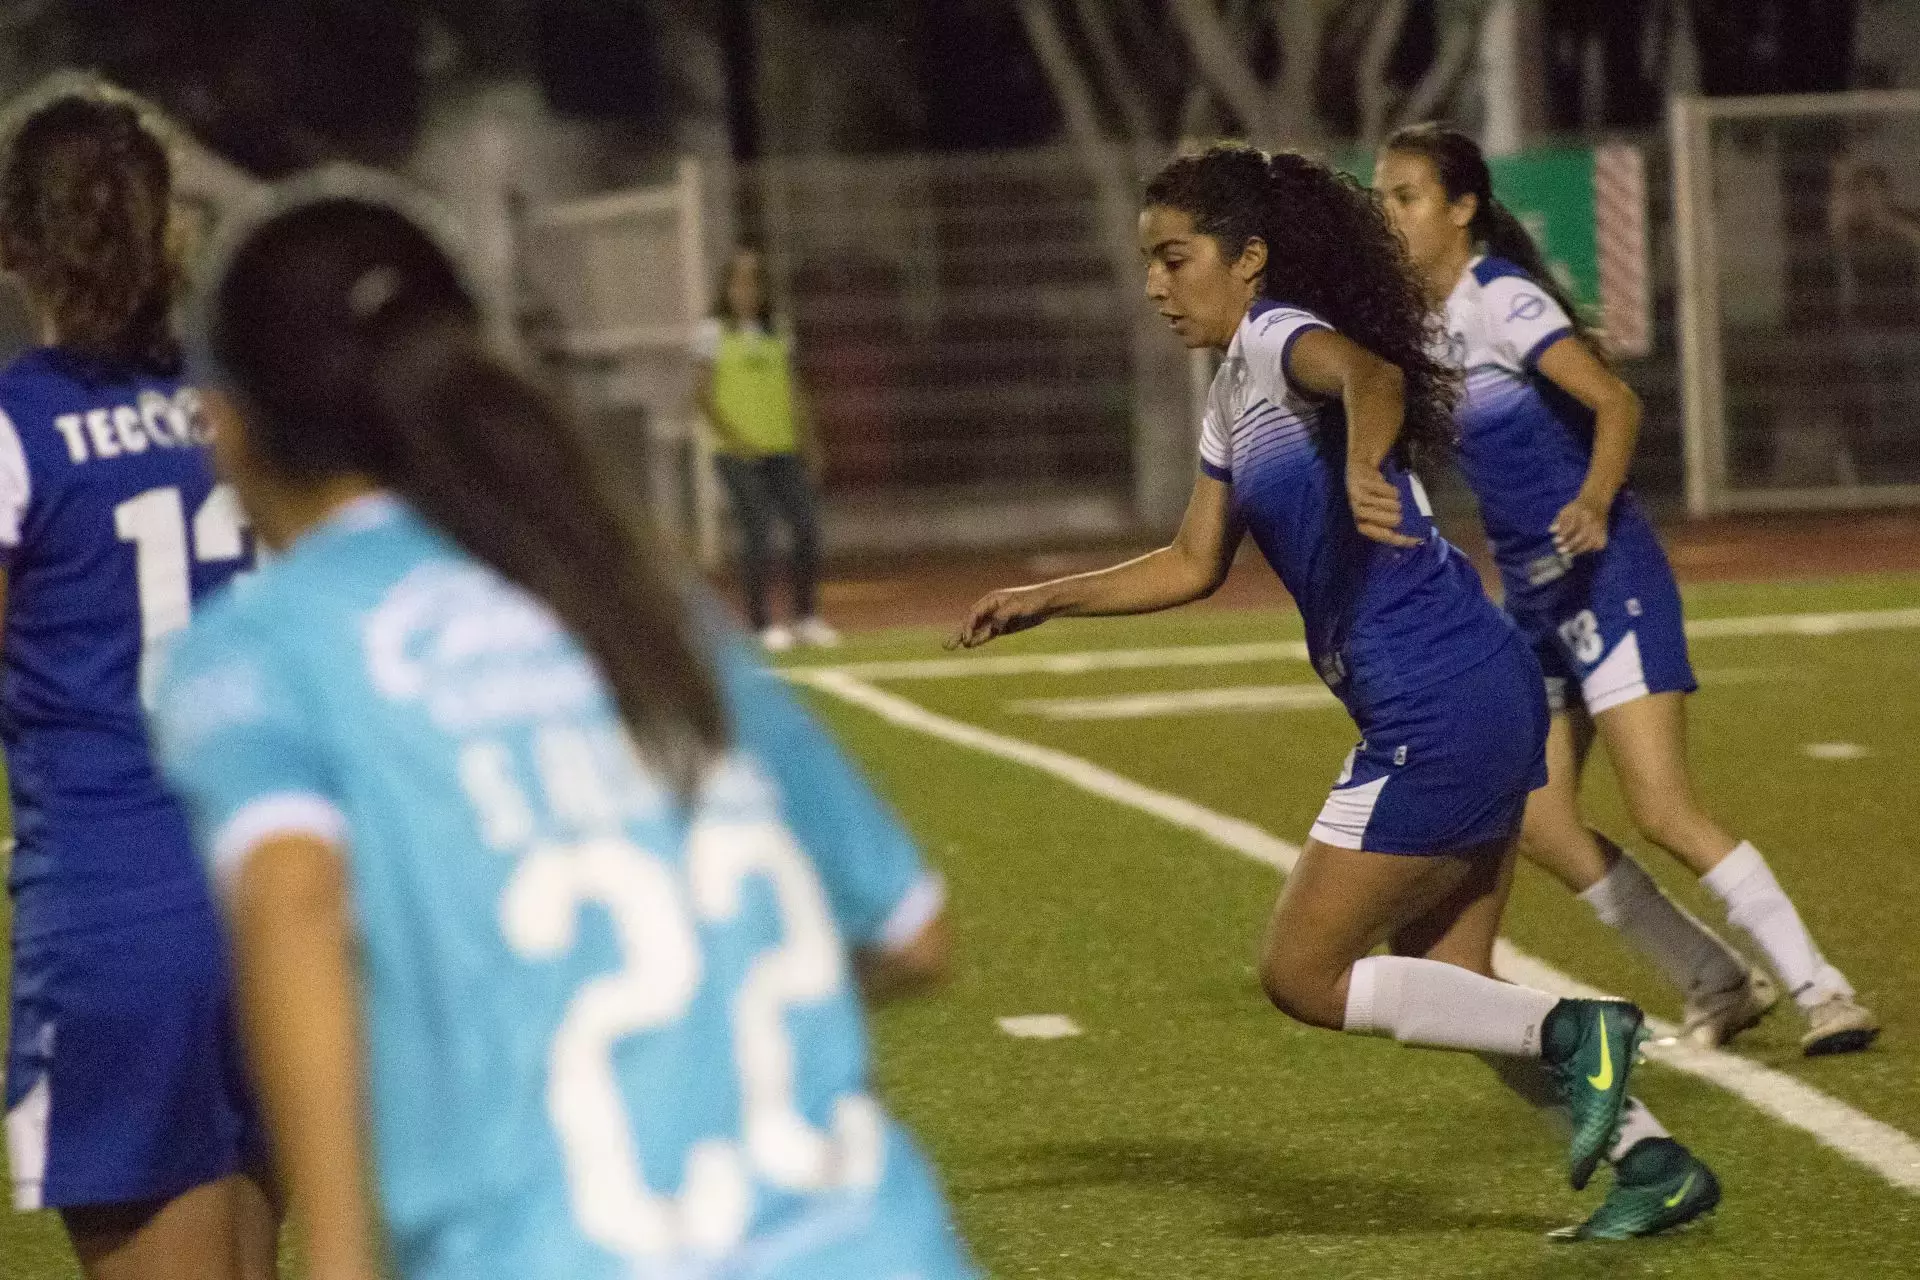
{"points": [[122, 1082], [606, 1037], [1446, 697], [1609, 621]]}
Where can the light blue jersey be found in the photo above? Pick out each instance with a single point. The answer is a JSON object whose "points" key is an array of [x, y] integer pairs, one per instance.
{"points": [[605, 1039]]}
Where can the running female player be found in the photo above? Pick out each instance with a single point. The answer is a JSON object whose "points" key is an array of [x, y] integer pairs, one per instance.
{"points": [[471, 777], [126, 1104], [1547, 433], [1327, 388]]}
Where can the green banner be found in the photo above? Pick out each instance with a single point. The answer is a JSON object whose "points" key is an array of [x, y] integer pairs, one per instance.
{"points": [[1551, 192]]}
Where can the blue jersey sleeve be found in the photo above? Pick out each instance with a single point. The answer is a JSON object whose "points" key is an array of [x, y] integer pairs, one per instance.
{"points": [[881, 891], [237, 740]]}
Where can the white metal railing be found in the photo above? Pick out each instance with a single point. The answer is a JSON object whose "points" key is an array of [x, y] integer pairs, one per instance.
{"points": [[1817, 410]]}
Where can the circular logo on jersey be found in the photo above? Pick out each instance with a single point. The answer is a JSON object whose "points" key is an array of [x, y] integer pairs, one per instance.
{"points": [[1526, 306]]}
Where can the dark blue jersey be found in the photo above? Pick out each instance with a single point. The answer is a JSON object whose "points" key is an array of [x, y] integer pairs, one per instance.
{"points": [[1381, 621], [111, 529]]}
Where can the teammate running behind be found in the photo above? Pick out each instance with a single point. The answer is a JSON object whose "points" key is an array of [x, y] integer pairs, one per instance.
{"points": [[1326, 391], [524, 861], [127, 1105], [1546, 435]]}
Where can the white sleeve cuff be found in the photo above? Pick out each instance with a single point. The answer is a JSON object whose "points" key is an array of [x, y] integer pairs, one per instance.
{"points": [[286, 813], [921, 905]]}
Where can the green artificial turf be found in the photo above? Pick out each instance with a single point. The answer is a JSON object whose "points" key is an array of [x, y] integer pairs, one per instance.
{"points": [[1191, 1133]]}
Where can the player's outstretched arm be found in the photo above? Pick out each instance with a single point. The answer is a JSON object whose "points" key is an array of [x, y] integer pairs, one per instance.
{"points": [[298, 1004], [1572, 366], [1189, 568], [1372, 391]]}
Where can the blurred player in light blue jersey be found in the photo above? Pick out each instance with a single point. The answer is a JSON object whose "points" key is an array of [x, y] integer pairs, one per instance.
{"points": [[1547, 434], [127, 1107], [524, 863], [1326, 392]]}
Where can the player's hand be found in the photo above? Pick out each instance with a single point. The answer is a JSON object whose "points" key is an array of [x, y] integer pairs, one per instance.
{"points": [[1580, 527], [1376, 505], [1000, 613]]}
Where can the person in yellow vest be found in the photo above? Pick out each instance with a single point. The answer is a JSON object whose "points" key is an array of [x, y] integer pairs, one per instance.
{"points": [[745, 386]]}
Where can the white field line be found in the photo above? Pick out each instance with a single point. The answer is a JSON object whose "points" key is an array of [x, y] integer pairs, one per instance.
{"points": [[1304, 696], [1066, 664], [1209, 655], [1182, 702], [1874, 1144]]}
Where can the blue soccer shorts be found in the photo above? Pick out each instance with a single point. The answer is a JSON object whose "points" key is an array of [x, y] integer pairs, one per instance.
{"points": [[1447, 768], [1612, 629], [125, 1080]]}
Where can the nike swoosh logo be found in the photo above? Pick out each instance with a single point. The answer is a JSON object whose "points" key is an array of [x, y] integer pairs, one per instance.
{"points": [[1603, 1081], [1681, 1194]]}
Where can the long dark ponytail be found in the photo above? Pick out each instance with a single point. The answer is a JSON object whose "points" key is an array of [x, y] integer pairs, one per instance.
{"points": [[354, 347], [84, 204], [1330, 250], [1462, 169]]}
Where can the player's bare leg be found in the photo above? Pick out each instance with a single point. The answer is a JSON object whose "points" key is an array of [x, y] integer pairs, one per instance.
{"points": [[258, 1210], [1646, 740], [190, 1237], [1337, 906], [1340, 903], [1723, 996]]}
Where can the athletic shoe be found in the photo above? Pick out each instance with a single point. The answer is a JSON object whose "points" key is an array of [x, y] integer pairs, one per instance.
{"points": [[1838, 1024], [1712, 1020], [1657, 1186], [776, 639], [814, 630], [1590, 1046]]}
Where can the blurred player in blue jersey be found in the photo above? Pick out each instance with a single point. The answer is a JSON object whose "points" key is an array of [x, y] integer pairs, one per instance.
{"points": [[1327, 390], [1547, 433], [126, 1101], [525, 862]]}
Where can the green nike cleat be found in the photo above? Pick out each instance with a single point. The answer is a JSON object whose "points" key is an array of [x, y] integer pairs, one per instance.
{"points": [[1590, 1046], [1659, 1185]]}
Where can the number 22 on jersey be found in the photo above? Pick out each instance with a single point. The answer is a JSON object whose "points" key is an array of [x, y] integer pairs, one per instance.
{"points": [[656, 918]]}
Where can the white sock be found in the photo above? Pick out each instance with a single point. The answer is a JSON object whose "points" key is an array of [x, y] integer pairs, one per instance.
{"points": [[1531, 1082], [1757, 904], [1637, 1124], [1443, 1006], [1692, 956]]}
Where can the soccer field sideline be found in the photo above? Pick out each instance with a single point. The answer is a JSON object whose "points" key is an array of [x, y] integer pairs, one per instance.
{"points": [[1887, 1151]]}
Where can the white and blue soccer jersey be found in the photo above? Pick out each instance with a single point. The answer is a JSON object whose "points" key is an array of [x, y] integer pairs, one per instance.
{"points": [[111, 531], [1381, 621], [607, 1037], [1610, 620], [1525, 445]]}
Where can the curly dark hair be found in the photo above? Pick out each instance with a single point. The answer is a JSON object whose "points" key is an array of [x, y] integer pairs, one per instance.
{"points": [[84, 204], [1331, 251]]}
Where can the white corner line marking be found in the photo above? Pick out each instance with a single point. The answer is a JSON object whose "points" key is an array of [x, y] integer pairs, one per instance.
{"points": [[1872, 1143], [1209, 655], [1039, 1026]]}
